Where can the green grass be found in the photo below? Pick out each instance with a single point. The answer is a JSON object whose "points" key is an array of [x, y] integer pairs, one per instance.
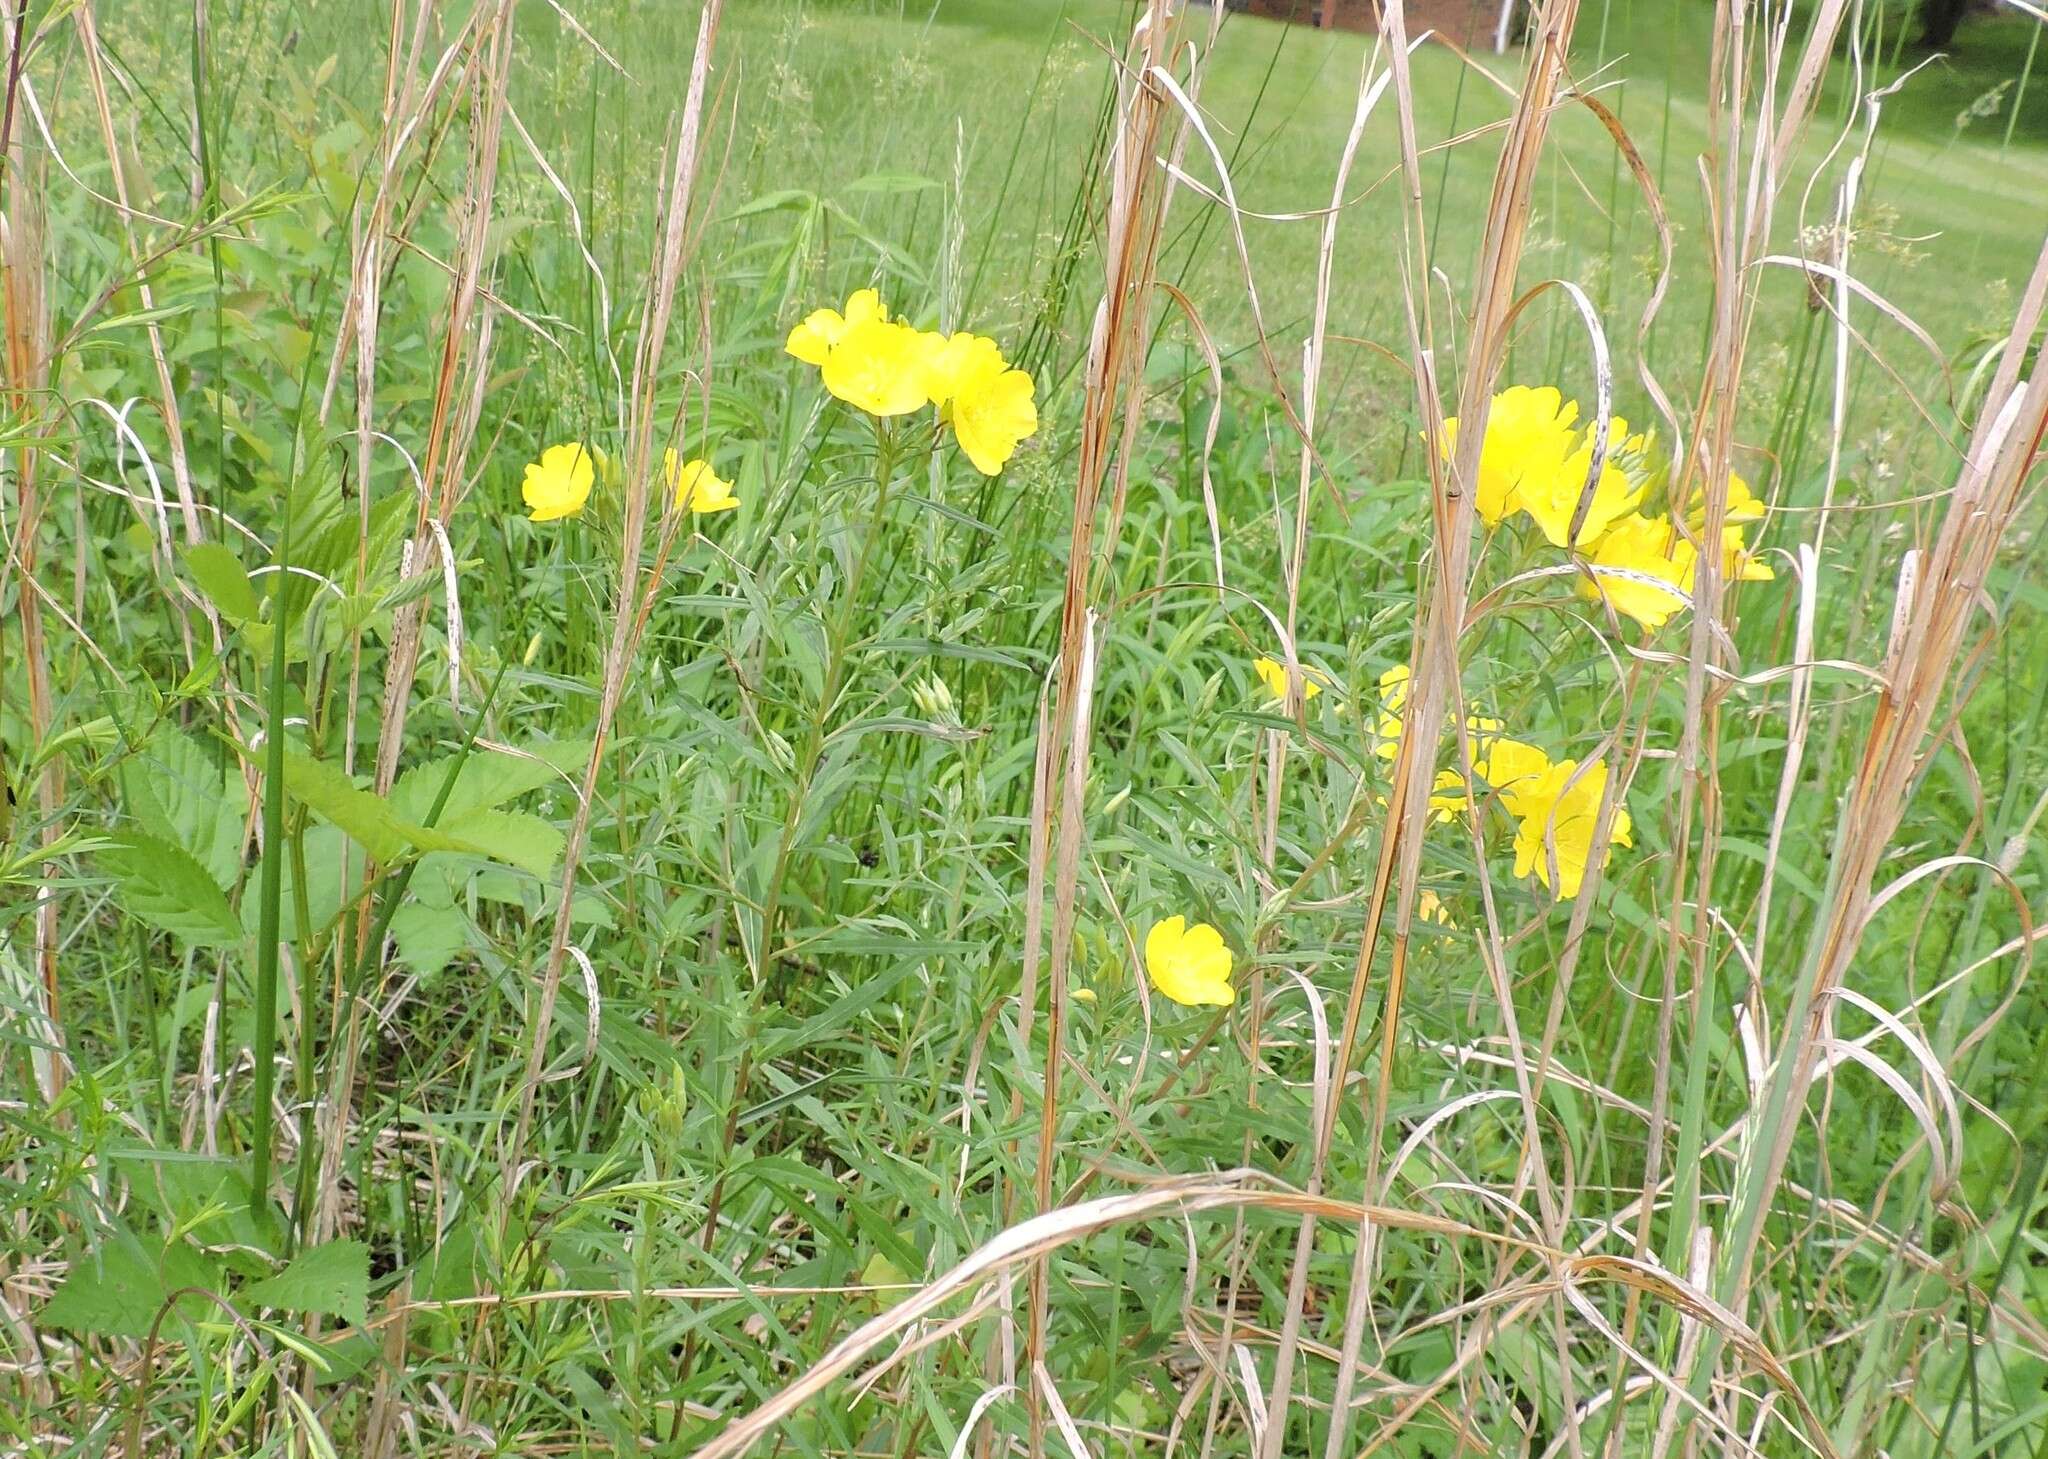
{"points": [[804, 901]]}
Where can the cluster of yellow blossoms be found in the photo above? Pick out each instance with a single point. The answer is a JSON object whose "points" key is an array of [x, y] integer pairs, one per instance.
{"points": [[1555, 805], [1536, 461], [559, 484], [888, 368], [880, 365], [1554, 802]]}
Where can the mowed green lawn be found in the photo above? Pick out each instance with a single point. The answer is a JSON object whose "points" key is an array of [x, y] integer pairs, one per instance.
{"points": [[1009, 94]]}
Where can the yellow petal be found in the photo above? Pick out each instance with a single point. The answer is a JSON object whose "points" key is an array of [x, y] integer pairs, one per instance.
{"points": [[878, 367], [559, 483], [991, 416], [1163, 940], [813, 339], [864, 306]]}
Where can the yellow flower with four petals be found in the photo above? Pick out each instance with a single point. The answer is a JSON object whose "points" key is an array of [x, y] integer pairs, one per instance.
{"points": [[559, 483], [1273, 674], [1190, 965], [1556, 811], [813, 339], [1528, 436], [695, 486]]}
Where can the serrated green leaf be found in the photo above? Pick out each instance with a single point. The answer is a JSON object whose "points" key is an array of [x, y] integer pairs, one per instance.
{"points": [[175, 790], [429, 937], [164, 886], [375, 824], [221, 576], [332, 1278], [513, 837], [487, 780], [329, 857], [118, 1290], [327, 789]]}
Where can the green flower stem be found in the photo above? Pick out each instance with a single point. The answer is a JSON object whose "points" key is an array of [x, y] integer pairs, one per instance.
{"points": [[271, 891], [309, 996], [888, 454]]}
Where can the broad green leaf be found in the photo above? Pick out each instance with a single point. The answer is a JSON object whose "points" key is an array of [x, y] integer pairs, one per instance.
{"points": [[118, 1290], [429, 937], [221, 576], [332, 1278], [366, 817], [165, 887], [488, 779], [175, 790], [513, 837], [328, 855], [375, 824]]}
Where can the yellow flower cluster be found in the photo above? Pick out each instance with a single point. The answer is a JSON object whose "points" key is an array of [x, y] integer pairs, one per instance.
{"points": [[558, 485], [1535, 460], [1554, 804], [888, 368]]}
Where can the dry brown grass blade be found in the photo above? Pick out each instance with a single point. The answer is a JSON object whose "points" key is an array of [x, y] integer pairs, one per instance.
{"points": [[1032, 1240], [628, 611], [1110, 417], [1372, 86], [1931, 630], [1434, 681], [174, 430], [465, 354], [25, 378], [361, 316]]}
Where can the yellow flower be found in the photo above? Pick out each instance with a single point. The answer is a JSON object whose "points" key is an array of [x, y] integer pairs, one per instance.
{"points": [[1528, 435], [878, 366], [956, 362], [1273, 674], [1513, 756], [1738, 563], [1449, 799], [990, 413], [813, 339], [1552, 499], [696, 486], [1510, 767], [1743, 506], [1555, 812], [558, 484], [1190, 965], [1644, 568], [1430, 908], [1393, 696]]}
